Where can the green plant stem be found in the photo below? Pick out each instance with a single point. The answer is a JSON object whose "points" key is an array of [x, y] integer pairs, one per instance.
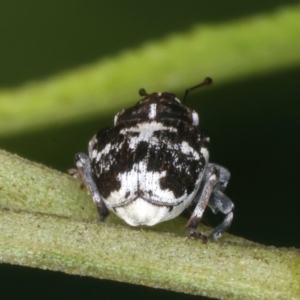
{"points": [[48, 222]]}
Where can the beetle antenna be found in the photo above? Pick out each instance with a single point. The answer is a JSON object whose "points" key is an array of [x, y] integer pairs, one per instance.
{"points": [[142, 92], [206, 81]]}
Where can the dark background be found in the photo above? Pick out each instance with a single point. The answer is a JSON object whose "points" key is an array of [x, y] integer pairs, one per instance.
{"points": [[253, 123]]}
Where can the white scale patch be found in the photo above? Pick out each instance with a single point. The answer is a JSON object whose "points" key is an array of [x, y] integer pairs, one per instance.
{"points": [[152, 112], [148, 127], [187, 149]]}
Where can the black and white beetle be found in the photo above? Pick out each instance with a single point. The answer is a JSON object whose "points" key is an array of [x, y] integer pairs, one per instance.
{"points": [[153, 164]]}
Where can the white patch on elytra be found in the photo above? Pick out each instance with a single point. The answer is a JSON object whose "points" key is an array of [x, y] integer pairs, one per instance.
{"points": [[188, 150], [104, 151], [152, 111], [149, 127], [205, 153], [146, 131], [94, 153]]}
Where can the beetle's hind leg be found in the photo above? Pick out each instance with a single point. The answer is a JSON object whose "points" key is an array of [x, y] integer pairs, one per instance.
{"points": [[85, 174], [220, 202], [211, 179], [215, 182]]}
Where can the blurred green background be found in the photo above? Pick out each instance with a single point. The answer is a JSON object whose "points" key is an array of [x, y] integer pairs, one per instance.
{"points": [[253, 120]]}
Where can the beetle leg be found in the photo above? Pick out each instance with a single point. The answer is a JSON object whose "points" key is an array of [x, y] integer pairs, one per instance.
{"points": [[223, 178], [211, 179], [220, 202], [85, 174]]}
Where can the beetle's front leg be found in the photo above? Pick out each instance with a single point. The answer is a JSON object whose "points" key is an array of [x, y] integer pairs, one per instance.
{"points": [[211, 180], [219, 202], [85, 174]]}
